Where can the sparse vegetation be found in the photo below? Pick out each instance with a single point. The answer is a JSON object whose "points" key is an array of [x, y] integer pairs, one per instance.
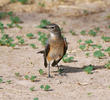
{"points": [[88, 69], [42, 38], [67, 59], [99, 54], [45, 87]]}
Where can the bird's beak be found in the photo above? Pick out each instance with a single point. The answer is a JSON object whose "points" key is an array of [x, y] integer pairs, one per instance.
{"points": [[45, 27]]}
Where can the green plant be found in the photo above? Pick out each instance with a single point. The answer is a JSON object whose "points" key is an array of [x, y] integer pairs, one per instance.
{"points": [[92, 33], [9, 81], [33, 78], [87, 54], [88, 69], [46, 87], [32, 88], [108, 50], [33, 46], [107, 65], [42, 38], [1, 80], [60, 71], [83, 32], [15, 19], [23, 1], [41, 4], [30, 35], [12, 1], [26, 77], [14, 22], [6, 40], [20, 39], [72, 32], [106, 39], [3, 14], [17, 74], [2, 27], [82, 47], [96, 46], [35, 99], [67, 59], [99, 54], [88, 42], [89, 93], [79, 41], [97, 29], [41, 72], [43, 23], [12, 45]]}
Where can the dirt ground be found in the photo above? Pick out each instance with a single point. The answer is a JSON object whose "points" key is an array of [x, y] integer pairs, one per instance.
{"points": [[75, 84]]}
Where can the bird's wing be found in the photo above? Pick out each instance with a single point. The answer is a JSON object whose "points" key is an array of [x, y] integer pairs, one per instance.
{"points": [[46, 51], [55, 62]]}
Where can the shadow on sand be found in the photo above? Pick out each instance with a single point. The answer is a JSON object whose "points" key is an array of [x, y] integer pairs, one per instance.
{"points": [[70, 69]]}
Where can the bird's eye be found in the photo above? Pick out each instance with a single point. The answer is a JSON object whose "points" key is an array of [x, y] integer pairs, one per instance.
{"points": [[52, 27]]}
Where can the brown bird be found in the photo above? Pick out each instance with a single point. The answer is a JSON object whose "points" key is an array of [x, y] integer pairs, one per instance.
{"points": [[55, 48]]}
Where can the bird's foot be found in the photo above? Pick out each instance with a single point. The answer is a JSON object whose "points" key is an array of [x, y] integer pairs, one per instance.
{"points": [[49, 76]]}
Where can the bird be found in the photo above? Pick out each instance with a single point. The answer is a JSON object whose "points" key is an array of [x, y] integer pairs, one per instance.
{"points": [[55, 48]]}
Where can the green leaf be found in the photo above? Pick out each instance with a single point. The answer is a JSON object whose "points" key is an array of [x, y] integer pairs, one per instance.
{"points": [[33, 78], [106, 39], [87, 54], [2, 27], [26, 77], [42, 86], [30, 35], [67, 59], [88, 69], [15, 19], [35, 99], [97, 29], [83, 32], [107, 65], [9, 81], [1, 80], [13, 45], [32, 88], [82, 47], [72, 32], [42, 38], [17, 74], [47, 87], [79, 41], [18, 37], [23, 1], [3, 14], [33, 46], [13, 1], [99, 54], [88, 42], [96, 46], [41, 71], [41, 4], [92, 33], [43, 23]]}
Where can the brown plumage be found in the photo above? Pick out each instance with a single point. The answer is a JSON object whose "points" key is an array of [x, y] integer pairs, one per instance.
{"points": [[55, 48]]}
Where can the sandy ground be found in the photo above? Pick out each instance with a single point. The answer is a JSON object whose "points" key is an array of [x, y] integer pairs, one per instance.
{"points": [[75, 84]]}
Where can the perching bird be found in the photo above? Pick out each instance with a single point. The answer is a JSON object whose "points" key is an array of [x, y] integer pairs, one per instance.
{"points": [[55, 48]]}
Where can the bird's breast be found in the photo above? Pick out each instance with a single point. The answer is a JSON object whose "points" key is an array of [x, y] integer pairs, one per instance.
{"points": [[56, 50]]}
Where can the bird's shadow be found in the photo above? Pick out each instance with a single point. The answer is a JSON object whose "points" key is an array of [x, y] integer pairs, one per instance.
{"points": [[71, 69]]}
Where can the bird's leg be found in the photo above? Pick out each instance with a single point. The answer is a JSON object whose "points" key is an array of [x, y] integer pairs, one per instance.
{"points": [[58, 67], [49, 70]]}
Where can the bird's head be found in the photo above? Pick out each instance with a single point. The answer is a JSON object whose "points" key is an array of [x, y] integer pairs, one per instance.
{"points": [[53, 28]]}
